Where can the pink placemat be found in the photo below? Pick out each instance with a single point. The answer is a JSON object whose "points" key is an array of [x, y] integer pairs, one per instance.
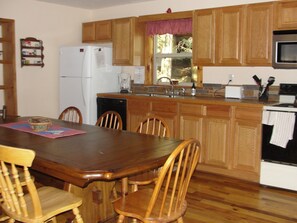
{"points": [[55, 131]]}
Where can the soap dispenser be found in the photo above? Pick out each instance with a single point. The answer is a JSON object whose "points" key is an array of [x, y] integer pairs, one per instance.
{"points": [[193, 89]]}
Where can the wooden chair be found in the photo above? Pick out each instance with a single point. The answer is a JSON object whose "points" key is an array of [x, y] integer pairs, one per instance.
{"points": [[25, 203], [111, 120], [166, 202], [71, 114], [3, 216], [152, 125]]}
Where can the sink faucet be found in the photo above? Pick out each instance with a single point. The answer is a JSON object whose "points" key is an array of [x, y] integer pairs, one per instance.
{"points": [[171, 94]]}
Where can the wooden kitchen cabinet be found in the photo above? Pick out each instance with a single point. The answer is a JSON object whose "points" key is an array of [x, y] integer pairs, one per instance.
{"points": [[88, 32], [190, 121], [99, 31], [204, 37], [234, 36], [216, 136], [128, 41], [259, 34], [285, 16], [229, 132], [230, 27], [218, 36], [247, 142], [7, 61], [137, 110], [168, 111]]}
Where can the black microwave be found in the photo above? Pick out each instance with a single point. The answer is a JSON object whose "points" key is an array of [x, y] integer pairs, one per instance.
{"points": [[284, 49]]}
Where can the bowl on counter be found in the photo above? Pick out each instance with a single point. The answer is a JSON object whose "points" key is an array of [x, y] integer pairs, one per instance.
{"points": [[39, 124]]}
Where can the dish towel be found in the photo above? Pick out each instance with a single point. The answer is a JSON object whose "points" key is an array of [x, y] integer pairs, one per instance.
{"points": [[269, 117], [283, 128]]}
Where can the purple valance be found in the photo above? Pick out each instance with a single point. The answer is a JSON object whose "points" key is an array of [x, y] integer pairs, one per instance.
{"points": [[177, 26]]}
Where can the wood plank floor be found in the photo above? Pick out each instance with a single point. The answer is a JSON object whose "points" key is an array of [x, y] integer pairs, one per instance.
{"points": [[216, 199]]}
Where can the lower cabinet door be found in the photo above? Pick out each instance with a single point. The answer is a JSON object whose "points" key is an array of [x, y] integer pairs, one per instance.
{"points": [[216, 142], [247, 140]]}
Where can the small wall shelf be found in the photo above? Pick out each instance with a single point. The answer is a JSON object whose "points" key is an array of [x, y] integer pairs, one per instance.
{"points": [[32, 52]]}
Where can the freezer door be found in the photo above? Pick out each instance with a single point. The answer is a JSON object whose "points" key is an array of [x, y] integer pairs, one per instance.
{"points": [[75, 61], [75, 92]]}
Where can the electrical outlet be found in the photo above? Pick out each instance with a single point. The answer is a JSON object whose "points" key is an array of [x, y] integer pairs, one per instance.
{"points": [[231, 77]]}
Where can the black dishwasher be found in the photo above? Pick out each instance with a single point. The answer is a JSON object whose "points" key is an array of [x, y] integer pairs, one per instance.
{"points": [[113, 104]]}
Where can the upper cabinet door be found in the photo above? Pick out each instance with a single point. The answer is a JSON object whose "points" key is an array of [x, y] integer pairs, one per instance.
{"points": [[259, 34], [204, 37], [128, 41], [285, 15], [123, 37], [99, 31], [218, 36], [229, 38], [103, 31], [88, 32]]}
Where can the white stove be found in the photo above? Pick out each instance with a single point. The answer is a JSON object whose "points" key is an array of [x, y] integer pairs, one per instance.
{"points": [[279, 161]]}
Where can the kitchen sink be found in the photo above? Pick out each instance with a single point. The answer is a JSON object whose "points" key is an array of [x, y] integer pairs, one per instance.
{"points": [[161, 95], [152, 95]]}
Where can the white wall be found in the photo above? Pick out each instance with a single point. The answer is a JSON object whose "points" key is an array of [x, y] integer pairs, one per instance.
{"points": [[37, 88], [243, 75]]}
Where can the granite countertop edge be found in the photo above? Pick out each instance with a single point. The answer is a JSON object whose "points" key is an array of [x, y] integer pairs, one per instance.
{"points": [[196, 99]]}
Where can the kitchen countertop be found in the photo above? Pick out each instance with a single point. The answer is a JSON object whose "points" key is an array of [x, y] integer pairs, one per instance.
{"points": [[194, 99]]}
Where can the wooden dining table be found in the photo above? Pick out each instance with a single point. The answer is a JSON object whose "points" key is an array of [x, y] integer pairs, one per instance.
{"points": [[92, 161]]}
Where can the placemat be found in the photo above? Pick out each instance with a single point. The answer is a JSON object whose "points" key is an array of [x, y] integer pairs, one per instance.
{"points": [[55, 131]]}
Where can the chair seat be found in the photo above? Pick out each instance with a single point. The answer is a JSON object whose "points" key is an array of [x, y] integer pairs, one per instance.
{"points": [[53, 201], [144, 178], [135, 206]]}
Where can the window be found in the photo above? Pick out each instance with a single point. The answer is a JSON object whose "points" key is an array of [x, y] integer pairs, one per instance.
{"points": [[173, 58]]}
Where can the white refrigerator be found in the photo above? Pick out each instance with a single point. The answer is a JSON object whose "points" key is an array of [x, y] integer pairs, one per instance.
{"points": [[84, 72]]}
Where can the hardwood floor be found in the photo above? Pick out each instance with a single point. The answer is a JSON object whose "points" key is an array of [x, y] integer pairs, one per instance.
{"points": [[216, 199]]}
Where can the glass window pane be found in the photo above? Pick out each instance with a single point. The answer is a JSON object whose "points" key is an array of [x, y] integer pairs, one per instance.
{"points": [[178, 66], [169, 43], [175, 68]]}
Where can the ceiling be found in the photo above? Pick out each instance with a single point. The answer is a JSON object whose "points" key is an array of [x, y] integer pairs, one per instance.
{"points": [[92, 4]]}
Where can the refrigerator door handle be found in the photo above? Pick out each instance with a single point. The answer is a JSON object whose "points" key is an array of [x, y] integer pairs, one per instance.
{"points": [[83, 90], [83, 79]]}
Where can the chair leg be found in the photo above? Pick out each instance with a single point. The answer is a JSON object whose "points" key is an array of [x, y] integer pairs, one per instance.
{"points": [[114, 191], [121, 219], [134, 187], [78, 217]]}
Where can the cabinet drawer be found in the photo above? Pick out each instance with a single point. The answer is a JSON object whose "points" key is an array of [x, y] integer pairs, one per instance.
{"points": [[168, 107], [248, 113], [138, 105], [191, 109], [218, 111]]}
